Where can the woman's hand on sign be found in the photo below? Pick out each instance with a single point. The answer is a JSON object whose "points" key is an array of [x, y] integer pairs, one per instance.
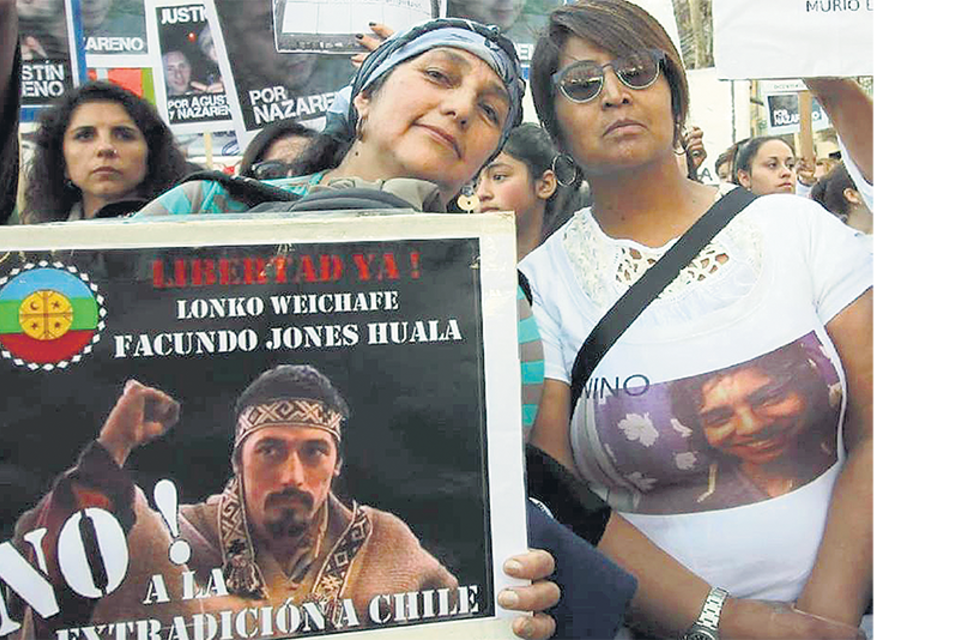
{"points": [[535, 565], [371, 41]]}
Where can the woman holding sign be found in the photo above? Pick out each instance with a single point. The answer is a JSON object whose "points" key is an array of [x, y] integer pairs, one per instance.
{"points": [[725, 535], [427, 109]]}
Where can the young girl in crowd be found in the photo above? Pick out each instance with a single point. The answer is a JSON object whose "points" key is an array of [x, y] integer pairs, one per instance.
{"points": [[523, 179], [766, 165], [793, 550], [99, 145]]}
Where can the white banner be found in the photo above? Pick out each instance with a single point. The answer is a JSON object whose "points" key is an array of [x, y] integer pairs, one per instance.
{"points": [[793, 38]]}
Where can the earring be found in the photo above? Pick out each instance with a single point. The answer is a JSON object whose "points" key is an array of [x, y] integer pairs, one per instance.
{"points": [[71, 186], [359, 131], [570, 169]]}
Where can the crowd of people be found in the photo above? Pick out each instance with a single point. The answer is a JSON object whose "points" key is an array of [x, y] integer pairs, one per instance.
{"points": [[732, 496]]}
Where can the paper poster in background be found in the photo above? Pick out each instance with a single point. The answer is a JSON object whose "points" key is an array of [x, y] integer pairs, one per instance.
{"points": [[520, 20], [754, 39], [267, 86], [331, 26], [190, 88], [48, 46], [114, 33], [783, 107], [419, 342]]}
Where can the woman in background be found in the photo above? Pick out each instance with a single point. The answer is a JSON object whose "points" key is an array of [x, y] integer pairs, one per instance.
{"points": [[272, 152], [766, 165], [100, 151], [523, 179]]}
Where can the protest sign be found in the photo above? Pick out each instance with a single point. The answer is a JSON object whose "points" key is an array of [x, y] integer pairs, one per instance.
{"points": [[48, 46], [756, 39], [783, 107], [331, 25], [115, 33], [395, 508], [189, 88], [264, 85], [519, 20]]}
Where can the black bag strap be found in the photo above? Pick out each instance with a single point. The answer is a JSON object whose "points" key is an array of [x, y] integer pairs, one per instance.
{"points": [[642, 292], [525, 286], [249, 191]]}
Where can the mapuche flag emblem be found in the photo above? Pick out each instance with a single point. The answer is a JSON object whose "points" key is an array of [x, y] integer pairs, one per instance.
{"points": [[50, 315]]}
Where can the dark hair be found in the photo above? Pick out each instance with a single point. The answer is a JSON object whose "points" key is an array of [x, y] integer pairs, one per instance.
{"points": [[747, 152], [292, 381], [266, 137], [618, 26], [530, 144], [828, 191], [789, 365], [328, 150], [48, 196]]}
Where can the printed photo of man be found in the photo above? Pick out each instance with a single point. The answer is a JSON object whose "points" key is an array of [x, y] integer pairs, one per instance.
{"points": [[177, 73], [278, 530], [770, 425]]}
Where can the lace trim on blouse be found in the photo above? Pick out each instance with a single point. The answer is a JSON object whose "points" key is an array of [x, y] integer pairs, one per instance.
{"points": [[606, 267]]}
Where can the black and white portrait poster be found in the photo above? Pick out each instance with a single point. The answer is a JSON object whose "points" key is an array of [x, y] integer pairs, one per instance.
{"points": [[224, 429], [189, 84], [48, 45], [114, 33], [519, 20], [331, 26], [266, 85]]}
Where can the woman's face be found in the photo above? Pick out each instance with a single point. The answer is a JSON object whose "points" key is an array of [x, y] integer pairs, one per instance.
{"points": [[621, 127], [772, 170], [437, 117], [506, 185], [104, 151]]}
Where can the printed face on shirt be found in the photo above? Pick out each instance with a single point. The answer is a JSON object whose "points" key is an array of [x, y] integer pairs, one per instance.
{"points": [[104, 151], [287, 473], [749, 415]]}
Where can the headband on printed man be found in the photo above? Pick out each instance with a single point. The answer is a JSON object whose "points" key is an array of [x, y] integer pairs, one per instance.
{"points": [[309, 413]]}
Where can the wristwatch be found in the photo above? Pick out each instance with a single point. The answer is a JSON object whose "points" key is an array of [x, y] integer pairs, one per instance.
{"points": [[707, 626]]}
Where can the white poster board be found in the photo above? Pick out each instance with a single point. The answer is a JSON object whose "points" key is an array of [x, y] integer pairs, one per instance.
{"points": [[793, 38], [329, 25]]}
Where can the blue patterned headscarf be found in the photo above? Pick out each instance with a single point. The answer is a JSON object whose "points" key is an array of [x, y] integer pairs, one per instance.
{"points": [[485, 42]]}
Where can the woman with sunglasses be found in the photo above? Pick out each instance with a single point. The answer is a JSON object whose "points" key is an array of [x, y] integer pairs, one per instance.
{"points": [[610, 87]]}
